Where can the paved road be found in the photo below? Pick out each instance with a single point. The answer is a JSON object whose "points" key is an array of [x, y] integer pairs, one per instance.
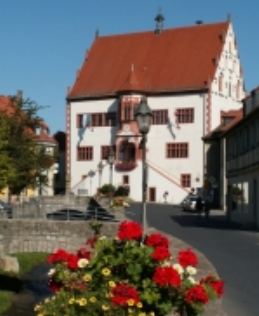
{"points": [[233, 251]]}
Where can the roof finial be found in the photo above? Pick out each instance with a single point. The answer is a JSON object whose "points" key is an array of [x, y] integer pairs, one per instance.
{"points": [[229, 17], [159, 22], [97, 33]]}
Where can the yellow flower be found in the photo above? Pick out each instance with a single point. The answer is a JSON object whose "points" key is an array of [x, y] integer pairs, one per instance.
{"points": [[71, 301], [130, 302], [87, 277], [142, 314], [130, 311], [92, 299], [112, 284], [151, 314], [106, 272], [105, 307], [82, 301], [40, 314], [139, 305]]}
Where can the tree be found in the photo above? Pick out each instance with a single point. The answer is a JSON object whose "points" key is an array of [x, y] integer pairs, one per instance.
{"points": [[22, 161]]}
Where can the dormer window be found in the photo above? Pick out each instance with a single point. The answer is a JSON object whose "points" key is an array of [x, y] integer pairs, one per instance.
{"points": [[37, 131]]}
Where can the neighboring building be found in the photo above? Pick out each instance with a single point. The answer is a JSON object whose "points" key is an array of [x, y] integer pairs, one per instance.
{"points": [[48, 143], [242, 164], [44, 140], [215, 159], [189, 75]]}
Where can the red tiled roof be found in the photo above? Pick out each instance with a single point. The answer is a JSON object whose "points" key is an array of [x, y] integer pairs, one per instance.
{"points": [[177, 59], [235, 117], [6, 105]]}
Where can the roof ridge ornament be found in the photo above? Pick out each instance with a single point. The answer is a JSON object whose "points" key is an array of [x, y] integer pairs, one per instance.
{"points": [[159, 22]]}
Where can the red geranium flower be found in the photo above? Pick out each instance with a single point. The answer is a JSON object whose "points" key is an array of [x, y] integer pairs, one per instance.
{"points": [[72, 262], [54, 286], [187, 258], [60, 255], [196, 294], [129, 231], [166, 276], [217, 285], [160, 253], [121, 293], [156, 240], [83, 253]]}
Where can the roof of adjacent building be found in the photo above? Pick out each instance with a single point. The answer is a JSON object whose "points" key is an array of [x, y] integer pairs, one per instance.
{"points": [[229, 119], [7, 107], [175, 60]]}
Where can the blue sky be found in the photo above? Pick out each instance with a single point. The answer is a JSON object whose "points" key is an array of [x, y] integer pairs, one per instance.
{"points": [[43, 42]]}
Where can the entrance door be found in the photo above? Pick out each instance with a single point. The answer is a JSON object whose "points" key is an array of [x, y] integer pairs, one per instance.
{"points": [[152, 194]]}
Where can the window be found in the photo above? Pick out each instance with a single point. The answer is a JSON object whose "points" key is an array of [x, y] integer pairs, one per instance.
{"points": [[85, 153], [186, 180], [185, 115], [125, 179], [160, 117], [105, 150], [127, 152], [79, 120], [177, 150], [96, 119]]}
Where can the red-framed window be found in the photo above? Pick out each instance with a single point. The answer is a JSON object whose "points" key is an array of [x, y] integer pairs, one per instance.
{"points": [[105, 150], [186, 180], [160, 117], [96, 119], [185, 115], [177, 150], [84, 153], [79, 121], [125, 179]]}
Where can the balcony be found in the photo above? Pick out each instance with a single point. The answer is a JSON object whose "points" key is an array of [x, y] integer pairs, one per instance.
{"points": [[125, 165]]}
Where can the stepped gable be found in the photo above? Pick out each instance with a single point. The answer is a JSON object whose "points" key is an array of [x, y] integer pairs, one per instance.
{"points": [[178, 59]]}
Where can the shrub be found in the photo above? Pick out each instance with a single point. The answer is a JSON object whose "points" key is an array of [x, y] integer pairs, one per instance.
{"points": [[107, 189], [122, 191], [123, 276]]}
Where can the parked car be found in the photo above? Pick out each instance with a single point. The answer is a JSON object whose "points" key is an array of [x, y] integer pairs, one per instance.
{"points": [[190, 203], [67, 215], [99, 213], [6, 209]]}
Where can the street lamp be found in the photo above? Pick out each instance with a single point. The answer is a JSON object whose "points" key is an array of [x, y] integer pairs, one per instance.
{"points": [[100, 170], [111, 159], [143, 117], [91, 174]]}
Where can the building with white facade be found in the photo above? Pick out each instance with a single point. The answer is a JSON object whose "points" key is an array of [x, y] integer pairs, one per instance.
{"points": [[189, 75], [242, 164]]}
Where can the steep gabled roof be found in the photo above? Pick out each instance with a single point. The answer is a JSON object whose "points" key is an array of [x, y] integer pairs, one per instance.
{"points": [[178, 59]]}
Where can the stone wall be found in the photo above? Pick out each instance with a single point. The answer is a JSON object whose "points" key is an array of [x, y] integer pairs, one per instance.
{"points": [[20, 235]]}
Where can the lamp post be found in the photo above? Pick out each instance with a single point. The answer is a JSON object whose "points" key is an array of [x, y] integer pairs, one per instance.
{"points": [[111, 159], [91, 173], [100, 170], [144, 116]]}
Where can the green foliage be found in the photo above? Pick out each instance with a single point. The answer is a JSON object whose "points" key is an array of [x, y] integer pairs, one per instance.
{"points": [[29, 260], [122, 191], [5, 301], [21, 160], [107, 189]]}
